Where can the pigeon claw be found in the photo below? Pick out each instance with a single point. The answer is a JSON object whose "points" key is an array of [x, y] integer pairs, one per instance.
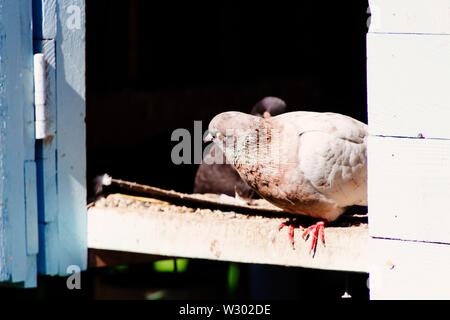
{"points": [[291, 224], [316, 231]]}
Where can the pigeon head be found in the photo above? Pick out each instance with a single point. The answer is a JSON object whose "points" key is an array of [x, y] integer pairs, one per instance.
{"points": [[228, 124], [231, 130], [269, 106]]}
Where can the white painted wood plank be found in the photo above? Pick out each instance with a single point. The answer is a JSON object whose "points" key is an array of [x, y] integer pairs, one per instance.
{"points": [[409, 186], [408, 85], [409, 270], [71, 140], [410, 16], [222, 236]]}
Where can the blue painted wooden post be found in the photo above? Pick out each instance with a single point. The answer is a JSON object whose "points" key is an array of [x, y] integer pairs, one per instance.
{"points": [[42, 200], [71, 128], [60, 35], [18, 211]]}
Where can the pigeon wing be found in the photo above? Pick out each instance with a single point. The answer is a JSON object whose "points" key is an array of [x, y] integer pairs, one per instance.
{"points": [[332, 155]]}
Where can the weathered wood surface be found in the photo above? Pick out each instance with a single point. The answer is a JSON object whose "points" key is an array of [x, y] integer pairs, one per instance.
{"points": [[223, 202], [130, 224], [409, 270], [60, 35], [71, 130], [17, 203]]}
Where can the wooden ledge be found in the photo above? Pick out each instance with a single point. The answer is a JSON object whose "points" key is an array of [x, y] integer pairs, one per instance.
{"points": [[149, 226]]}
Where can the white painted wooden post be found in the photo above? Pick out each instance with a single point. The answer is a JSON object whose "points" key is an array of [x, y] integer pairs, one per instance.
{"points": [[18, 204], [409, 149]]}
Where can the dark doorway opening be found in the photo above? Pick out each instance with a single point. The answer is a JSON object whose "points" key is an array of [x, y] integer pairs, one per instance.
{"points": [[153, 67]]}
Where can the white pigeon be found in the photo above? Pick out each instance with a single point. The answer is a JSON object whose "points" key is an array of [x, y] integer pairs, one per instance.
{"points": [[308, 163]]}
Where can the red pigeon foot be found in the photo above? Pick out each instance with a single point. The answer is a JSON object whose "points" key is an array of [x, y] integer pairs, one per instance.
{"points": [[292, 224], [317, 231]]}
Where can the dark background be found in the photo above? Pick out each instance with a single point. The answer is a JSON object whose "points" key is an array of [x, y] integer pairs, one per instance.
{"points": [[153, 67]]}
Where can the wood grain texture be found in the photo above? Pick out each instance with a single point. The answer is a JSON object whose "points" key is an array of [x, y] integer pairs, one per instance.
{"points": [[410, 16], [408, 92], [71, 141], [16, 142], [409, 182], [408, 270], [169, 230], [221, 202]]}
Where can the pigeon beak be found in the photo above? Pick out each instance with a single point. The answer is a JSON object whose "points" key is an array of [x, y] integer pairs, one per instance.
{"points": [[209, 137]]}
